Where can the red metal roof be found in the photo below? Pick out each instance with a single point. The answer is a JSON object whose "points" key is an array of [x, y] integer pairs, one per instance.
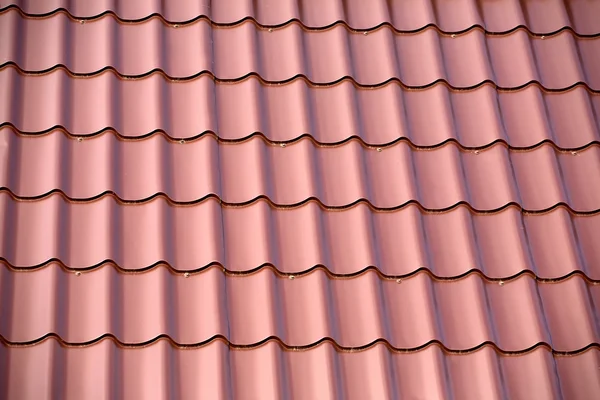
{"points": [[317, 199]]}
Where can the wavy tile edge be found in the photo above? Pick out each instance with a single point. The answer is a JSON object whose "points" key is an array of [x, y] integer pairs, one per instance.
{"points": [[297, 274], [284, 346], [170, 201], [305, 136], [177, 23], [297, 77]]}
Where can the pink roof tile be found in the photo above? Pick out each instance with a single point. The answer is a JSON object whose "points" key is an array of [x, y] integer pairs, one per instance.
{"points": [[299, 199], [407, 15], [321, 56]]}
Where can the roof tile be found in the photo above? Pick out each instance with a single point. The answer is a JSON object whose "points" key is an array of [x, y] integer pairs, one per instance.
{"points": [[245, 310], [539, 17], [285, 199], [552, 244], [184, 110], [218, 372], [338, 176], [322, 57]]}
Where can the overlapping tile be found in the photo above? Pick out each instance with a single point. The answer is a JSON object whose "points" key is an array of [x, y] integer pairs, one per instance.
{"points": [[270, 372], [137, 236], [538, 17], [487, 247], [239, 173], [183, 110], [323, 57], [246, 310]]}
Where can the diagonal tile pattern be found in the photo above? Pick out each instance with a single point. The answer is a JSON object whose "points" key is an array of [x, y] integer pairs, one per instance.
{"points": [[299, 199]]}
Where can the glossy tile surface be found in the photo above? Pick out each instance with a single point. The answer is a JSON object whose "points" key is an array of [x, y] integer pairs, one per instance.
{"points": [[239, 173], [398, 243], [272, 372], [495, 16], [281, 54], [245, 310], [184, 110], [333, 199]]}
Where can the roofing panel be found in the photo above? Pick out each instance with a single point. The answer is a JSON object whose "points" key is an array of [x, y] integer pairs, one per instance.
{"points": [[552, 244], [284, 113], [338, 176], [322, 57], [282, 199], [408, 15], [514, 315], [217, 371]]}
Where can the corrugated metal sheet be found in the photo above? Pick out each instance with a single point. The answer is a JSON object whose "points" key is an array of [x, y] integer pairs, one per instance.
{"points": [[300, 199]]}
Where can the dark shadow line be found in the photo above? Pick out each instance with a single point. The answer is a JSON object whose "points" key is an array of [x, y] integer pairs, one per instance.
{"points": [[295, 78], [289, 347], [112, 194], [301, 273], [305, 136]]}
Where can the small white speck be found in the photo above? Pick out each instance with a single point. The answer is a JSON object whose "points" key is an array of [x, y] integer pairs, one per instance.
{"points": [[187, 274], [365, 33], [476, 152], [78, 273], [282, 145], [82, 21], [80, 139], [453, 36], [182, 141], [501, 283], [379, 149], [270, 29], [291, 277], [543, 37], [574, 153], [175, 26], [398, 280]]}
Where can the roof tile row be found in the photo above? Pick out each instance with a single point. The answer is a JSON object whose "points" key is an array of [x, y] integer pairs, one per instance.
{"points": [[280, 54], [408, 313], [495, 16], [383, 303], [161, 371], [450, 244], [339, 176], [285, 112]]}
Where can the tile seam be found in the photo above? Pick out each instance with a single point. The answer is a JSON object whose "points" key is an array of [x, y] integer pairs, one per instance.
{"points": [[301, 273], [297, 77], [310, 346]]}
